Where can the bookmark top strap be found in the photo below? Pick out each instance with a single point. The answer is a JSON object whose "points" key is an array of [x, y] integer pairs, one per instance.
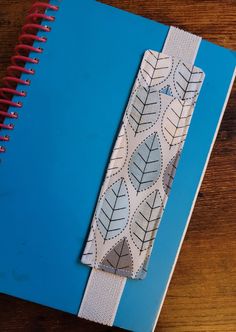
{"points": [[182, 44]]}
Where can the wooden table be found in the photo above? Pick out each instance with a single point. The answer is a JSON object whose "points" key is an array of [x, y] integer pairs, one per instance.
{"points": [[202, 294]]}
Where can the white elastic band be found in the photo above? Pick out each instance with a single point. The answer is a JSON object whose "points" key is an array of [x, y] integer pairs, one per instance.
{"points": [[182, 44], [102, 297], [104, 290]]}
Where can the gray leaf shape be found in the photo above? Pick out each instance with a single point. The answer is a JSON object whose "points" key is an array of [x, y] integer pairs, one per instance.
{"points": [[144, 110], [113, 210], [145, 163], [155, 68], [119, 154], [146, 220], [118, 260], [176, 120], [188, 81], [89, 254], [169, 173]]}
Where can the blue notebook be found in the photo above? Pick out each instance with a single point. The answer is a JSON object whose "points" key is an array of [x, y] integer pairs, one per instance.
{"points": [[54, 164]]}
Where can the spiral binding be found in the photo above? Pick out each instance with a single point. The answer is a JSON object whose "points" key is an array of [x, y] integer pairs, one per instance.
{"points": [[17, 67]]}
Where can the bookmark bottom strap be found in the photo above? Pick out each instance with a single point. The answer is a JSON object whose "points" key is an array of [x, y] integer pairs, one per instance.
{"points": [[102, 297]]}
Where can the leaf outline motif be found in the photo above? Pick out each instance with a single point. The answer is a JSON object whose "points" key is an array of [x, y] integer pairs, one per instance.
{"points": [[113, 210], [169, 173], [187, 81], [146, 220], [119, 153], [149, 155], [155, 68], [119, 259], [176, 121], [144, 109]]}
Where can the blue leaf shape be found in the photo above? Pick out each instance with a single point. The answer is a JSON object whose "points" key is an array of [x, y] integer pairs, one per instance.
{"points": [[167, 90], [145, 163], [113, 210]]}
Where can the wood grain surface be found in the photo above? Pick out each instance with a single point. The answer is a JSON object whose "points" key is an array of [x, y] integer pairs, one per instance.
{"points": [[202, 293]]}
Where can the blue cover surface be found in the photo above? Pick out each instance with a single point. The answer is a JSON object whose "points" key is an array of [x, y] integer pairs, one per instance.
{"points": [[51, 173]]}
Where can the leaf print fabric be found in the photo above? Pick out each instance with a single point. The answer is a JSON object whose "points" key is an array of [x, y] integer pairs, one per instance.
{"points": [[169, 173], [167, 90], [142, 166], [90, 250], [118, 260], [176, 120], [145, 221], [187, 80], [156, 68], [119, 154], [144, 110], [112, 212], [145, 164]]}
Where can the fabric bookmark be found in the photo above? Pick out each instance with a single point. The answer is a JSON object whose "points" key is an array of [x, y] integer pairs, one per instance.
{"points": [[140, 173]]}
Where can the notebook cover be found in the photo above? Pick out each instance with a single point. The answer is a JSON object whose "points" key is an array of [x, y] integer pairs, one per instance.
{"points": [[52, 170]]}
